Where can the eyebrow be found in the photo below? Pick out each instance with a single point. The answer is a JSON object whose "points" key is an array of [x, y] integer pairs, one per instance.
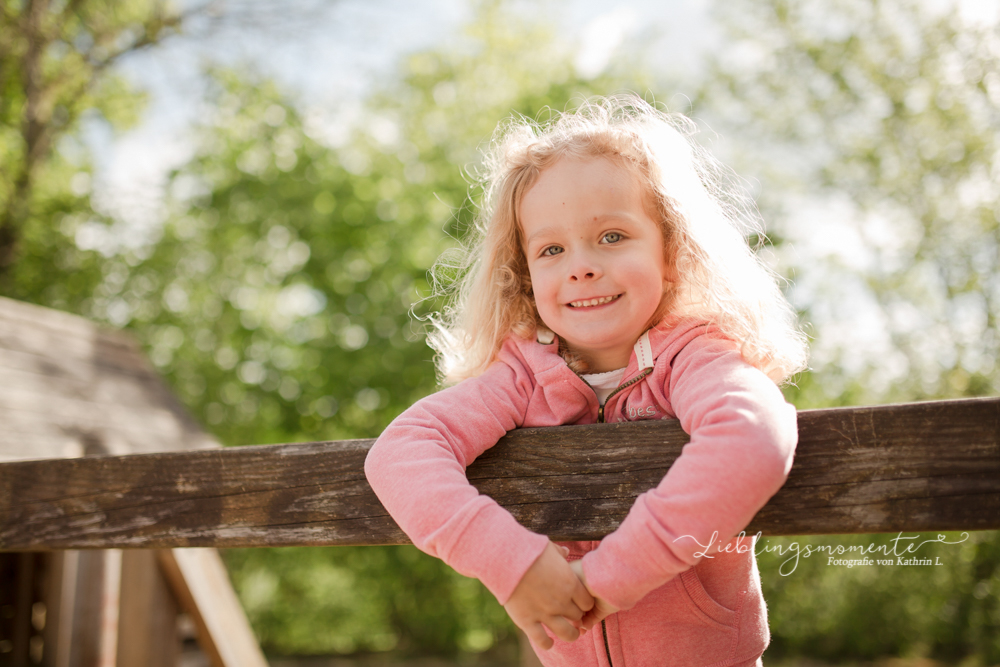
{"points": [[540, 232]]}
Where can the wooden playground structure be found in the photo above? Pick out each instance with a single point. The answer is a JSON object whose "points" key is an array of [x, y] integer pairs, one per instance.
{"points": [[112, 500], [71, 389]]}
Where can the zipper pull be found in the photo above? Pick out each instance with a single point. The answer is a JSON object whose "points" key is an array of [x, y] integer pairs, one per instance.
{"points": [[600, 414]]}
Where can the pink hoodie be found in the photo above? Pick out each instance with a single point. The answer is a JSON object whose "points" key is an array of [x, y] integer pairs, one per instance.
{"points": [[682, 604]]}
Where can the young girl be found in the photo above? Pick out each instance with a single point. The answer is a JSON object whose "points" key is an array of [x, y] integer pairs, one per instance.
{"points": [[610, 281]]}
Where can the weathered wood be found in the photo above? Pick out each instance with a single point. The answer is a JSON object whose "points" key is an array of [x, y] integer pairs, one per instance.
{"points": [[202, 587], [94, 641], [147, 624], [912, 467], [59, 600], [69, 388]]}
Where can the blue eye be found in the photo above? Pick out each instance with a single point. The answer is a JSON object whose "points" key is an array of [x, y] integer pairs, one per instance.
{"points": [[612, 237], [552, 250]]}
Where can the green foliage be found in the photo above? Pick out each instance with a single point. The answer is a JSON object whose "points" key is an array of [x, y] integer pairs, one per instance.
{"points": [[341, 600], [275, 301], [54, 62], [827, 611], [896, 110], [277, 298]]}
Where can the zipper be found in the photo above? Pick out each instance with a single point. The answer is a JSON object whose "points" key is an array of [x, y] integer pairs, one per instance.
{"points": [[600, 420], [600, 408], [607, 648]]}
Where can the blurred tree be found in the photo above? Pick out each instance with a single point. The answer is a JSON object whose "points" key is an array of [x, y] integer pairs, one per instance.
{"points": [[346, 600], [56, 65], [276, 298], [888, 114], [277, 303], [946, 610], [58, 74]]}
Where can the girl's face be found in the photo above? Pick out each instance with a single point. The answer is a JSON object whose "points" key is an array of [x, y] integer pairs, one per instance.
{"points": [[595, 258]]}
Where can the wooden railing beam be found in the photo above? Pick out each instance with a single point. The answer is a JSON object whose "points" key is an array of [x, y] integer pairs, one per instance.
{"points": [[911, 467]]}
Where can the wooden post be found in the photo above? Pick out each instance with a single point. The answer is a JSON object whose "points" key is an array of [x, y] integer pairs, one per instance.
{"points": [[94, 641], [18, 578], [147, 627], [202, 586], [60, 593]]}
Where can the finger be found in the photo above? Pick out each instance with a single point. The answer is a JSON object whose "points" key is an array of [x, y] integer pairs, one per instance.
{"points": [[589, 620], [570, 611], [606, 609], [582, 597], [599, 612], [595, 615], [536, 633], [562, 628], [563, 550]]}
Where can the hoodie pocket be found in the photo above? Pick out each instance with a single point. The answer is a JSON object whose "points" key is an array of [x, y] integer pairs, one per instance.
{"points": [[677, 624], [746, 625], [703, 603]]}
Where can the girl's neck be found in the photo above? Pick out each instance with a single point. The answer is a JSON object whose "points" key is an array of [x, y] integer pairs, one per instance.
{"points": [[581, 362]]}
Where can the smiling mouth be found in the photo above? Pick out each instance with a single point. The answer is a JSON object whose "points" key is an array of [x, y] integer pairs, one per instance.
{"points": [[593, 302]]}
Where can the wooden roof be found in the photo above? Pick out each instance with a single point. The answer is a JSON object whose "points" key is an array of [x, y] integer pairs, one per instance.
{"points": [[71, 388]]}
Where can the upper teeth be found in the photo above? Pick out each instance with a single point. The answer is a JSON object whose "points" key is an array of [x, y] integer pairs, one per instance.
{"points": [[593, 302]]}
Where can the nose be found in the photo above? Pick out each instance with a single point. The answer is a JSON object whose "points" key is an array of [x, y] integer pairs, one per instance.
{"points": [[584, 267]]}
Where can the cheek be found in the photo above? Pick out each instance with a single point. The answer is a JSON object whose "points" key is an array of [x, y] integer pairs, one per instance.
{"points": [[541, 284], [645, 279], [545, 293]]}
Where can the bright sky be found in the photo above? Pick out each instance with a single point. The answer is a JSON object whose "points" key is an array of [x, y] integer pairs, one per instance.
{"points": [[330, 55]]}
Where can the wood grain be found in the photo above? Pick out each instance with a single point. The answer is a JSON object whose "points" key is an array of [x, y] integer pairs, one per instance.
{"points": [[94, 638], [147, 619], [912, 467]]}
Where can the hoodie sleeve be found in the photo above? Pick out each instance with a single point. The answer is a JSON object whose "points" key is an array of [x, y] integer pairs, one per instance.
{"points": [[417, 470], [743, 437]]}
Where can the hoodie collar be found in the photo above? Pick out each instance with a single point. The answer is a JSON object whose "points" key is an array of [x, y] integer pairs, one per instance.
{"points": [[643, 352], [643, 349]]}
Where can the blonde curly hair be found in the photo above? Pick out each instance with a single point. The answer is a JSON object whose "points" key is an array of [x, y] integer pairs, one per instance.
{"points": [[704, 216]]}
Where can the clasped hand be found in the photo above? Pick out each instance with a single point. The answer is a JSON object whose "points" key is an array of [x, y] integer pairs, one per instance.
{"points": [[553, 593]]}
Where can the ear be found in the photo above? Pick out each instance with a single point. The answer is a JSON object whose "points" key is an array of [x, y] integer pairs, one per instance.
{"points": [[671, 276], [670, 272]]}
